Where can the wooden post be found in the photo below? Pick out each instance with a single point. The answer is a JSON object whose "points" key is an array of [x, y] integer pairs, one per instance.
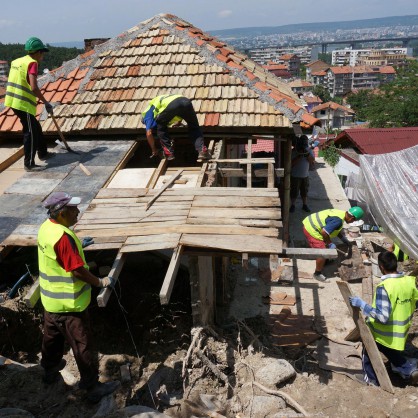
{"points": [[286, 195], [249, 166], [170, 276]]}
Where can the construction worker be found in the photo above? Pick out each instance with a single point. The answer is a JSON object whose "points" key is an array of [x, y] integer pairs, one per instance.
{"points": [[389, 319], [170, 110], [320, 227], [21, 94], [65, 285], [400, 255]]}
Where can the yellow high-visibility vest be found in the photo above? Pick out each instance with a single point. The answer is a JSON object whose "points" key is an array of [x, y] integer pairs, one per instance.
{"points": [[316, 222], [19, 94], [60, 290], [403, 294], [396, 251], [160, 103]]}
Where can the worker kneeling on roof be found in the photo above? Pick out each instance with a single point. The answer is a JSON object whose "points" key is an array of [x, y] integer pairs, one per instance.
{"points": [[320, 227], [389, 319], [169, 110], [65, 284]]}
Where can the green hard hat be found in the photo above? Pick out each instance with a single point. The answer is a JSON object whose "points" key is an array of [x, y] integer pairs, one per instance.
{"points": [[357, 212], [34, 44]]}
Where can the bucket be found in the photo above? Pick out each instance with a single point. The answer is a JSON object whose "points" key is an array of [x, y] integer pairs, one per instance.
{"points": [[375, 266], [354, 231]]}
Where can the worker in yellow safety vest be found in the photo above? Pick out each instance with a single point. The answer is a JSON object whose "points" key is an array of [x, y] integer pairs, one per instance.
{"points": [[169, 110], [400, 255], [22, 92], [389, 319], [65, 285], [320, 227]]}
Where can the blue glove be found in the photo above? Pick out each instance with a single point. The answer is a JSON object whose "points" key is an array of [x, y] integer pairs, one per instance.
{"points": [[87, 241], [107, 282], [332, 246], [357, 302]]}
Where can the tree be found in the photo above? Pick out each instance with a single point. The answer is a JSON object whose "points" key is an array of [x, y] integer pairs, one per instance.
{"points": [[322, 93], [394, 104], [325, 57], [331, 154]]}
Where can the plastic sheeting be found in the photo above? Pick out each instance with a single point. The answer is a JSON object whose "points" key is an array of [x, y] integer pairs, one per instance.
{"points": [[388, 184]]}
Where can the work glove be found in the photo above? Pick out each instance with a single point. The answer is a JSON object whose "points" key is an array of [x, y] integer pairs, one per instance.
{"points": [[107, 282], [332, 246], [357, 302], [346, 241], [49, 108], [87, 241]]}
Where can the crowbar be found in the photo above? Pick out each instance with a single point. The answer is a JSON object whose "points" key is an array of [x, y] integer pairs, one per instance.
{"points": [[67, 147]]}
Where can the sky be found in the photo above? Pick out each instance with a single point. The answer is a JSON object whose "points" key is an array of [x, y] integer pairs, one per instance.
{"points": [[75, 20]]}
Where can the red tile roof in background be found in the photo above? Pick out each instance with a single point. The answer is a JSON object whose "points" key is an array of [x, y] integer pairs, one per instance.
{"points": [[379, 140], [333, 106], [262, 145], [106, 89]]}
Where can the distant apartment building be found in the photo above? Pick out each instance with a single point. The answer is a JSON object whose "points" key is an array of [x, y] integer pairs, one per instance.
{"points": [[264, 55], [4, 69], [292, 62], [316, 67], [279, 70], [342, 80], [386, 56]]}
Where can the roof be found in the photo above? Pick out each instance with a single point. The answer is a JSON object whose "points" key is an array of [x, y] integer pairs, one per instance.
{"points": [[105, 90], [318, 65], [333, 106], [262, 145], [319, 73], [359, 69], [275, 66], [312, 99], [287, 57], [379, 140], [300, 83]]}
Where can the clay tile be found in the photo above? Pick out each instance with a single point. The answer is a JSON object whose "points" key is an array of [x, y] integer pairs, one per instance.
{"points": [[310, 120], [261, 86], [87, 54], [94, 122], [222, 58], [292, 106], [9, 123], [59, 96], [233, 64], [200, 42], [133, 70], [178, 27], [157, 40], [69, 96], [90, 85], [250, 75], [82, 73], [110, 72], [73, 73], [212, 119]]}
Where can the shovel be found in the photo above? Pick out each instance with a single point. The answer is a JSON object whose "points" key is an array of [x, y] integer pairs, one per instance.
{"points": [[63, 141]]}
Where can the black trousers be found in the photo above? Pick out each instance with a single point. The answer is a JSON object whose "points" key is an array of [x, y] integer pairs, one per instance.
{"points": [[73, 327], [182, 107], [33, 137]]}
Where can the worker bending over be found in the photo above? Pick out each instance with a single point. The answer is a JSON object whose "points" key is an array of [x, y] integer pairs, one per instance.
{"points": [[389, 319], [65, 283], [169, 110], [320, 227]]}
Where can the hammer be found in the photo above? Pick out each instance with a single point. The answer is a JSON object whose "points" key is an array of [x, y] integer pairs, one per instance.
{"points": [[342, 252]]}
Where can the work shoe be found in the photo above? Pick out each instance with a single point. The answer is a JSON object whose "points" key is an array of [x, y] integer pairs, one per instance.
{"points": [[413, 378], [320, 277], [100, 390], [52, 375], [47, 156], [35, 167], [292, 208], [204, 154], [306, 208]]}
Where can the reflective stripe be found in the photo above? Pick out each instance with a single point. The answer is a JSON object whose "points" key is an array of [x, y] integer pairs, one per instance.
{"points": [[388, 333], [62, 295], [400, 323], [23, 98], [318, 220], [57, 279], [17, 86]]}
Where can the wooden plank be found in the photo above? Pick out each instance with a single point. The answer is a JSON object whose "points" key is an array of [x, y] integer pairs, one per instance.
{"points": [[84, 169], [221, 191], [33, 295], [159, 224], [170, 277], [117, 266], [231, 172], [270, 177], [236, 201], [153, 218], [113, 212], [310, 253], [117, 193], [11, 159], [186, 229], [368, 340], [152, 246], [367, 289], [161, 191], [249, 166], [247, 213], [269, 223], [147, 239], [106, 246], [238, 243], [203, 169], [160, 169], [206, 290], [245, 160], [131, 178]]}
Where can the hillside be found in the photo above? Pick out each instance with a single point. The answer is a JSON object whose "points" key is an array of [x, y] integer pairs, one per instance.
{"points": [[317, 27]]}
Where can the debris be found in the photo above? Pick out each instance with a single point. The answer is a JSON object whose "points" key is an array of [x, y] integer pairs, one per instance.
{"points": [[279, 298], [275, 371], [125, 373]]}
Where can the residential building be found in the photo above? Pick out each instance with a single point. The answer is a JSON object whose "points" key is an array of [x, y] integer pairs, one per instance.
{"points": [[386, 56], [292, 62], [315, 67], [333, 115], [311, 101], [300, 86], [264, 55], [4, 69], [279, 70]]}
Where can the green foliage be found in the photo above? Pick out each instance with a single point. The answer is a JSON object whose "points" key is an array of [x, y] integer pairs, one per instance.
{"points": [[325, 57], [322, 92], [52, 59], [394, 105], [331, 154]]}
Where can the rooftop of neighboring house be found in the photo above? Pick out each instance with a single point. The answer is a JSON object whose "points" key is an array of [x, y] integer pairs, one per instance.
{"points": [[287, 57], [106, 89], [359, 69], [274, 66], [319, 73], [300, 83], [262, 145], [378, 140], [2, 92], [311, 99], [333, 106], [317, 65]]}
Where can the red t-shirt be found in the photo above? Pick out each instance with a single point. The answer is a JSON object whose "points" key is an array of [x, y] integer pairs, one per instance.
{"points": [[32, 69], [67, 253]]}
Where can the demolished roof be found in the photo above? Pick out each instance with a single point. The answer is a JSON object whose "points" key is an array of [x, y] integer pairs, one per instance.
{"points": [[106, 89], [378, 140]]}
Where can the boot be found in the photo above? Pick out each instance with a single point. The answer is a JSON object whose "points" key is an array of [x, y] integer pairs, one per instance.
{"points": [[204, 154], [52, 375], [99, 390]]}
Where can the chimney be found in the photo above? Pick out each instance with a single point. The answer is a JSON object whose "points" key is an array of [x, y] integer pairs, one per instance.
{"points": [[89, 44]]}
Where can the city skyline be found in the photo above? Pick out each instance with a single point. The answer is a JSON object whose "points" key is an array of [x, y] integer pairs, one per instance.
{"points": [[104, 18]]}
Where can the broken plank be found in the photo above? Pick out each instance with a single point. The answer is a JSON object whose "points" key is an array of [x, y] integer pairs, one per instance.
{"points": [[161, 191], [157, 173], [367, 338], [117, 266], [310, 253], [33, 295], [170, 276], [11, 159]]}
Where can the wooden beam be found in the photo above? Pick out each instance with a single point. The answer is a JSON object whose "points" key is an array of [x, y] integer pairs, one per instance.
{"points": [[206, 290], [157, 173], [161, 191], [368, 340], [287, 151], [12, 159], [117, 266], [33, 295], [205, 166], [270, 176], [310, 253], [244, 160], [170, 277], [122, 163], [249, 166]]}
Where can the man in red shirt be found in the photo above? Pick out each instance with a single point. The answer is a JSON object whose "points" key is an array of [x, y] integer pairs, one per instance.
{"points": [[65, 285]]}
